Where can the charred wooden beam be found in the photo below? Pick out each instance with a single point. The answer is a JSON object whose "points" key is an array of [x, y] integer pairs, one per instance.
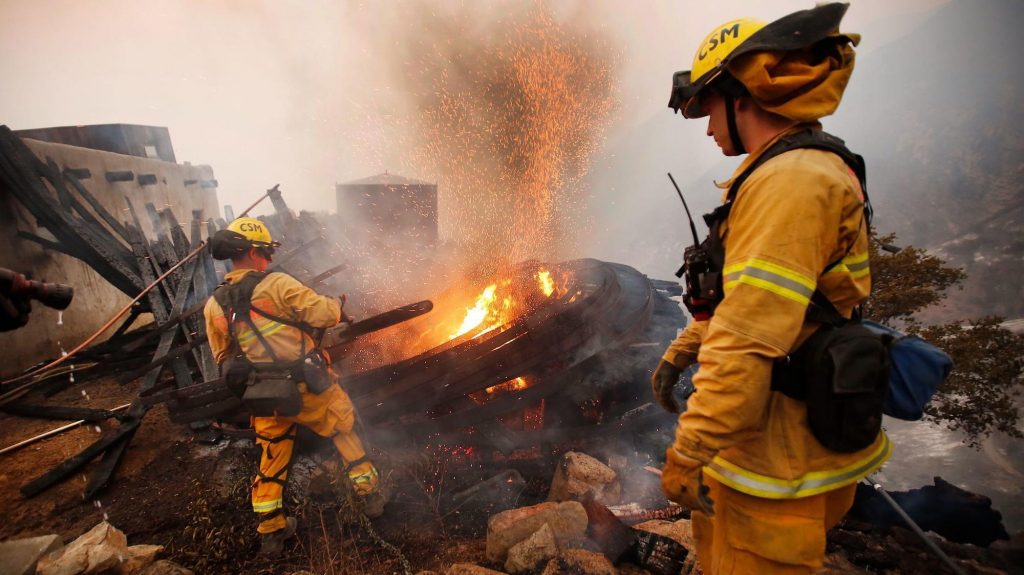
{"points": [[127, 323], [49, 244], [152, 254], [322, 276], [181, 372], [21, 172], [178, 238], [68, 200], [338, 338], [295, 253], [212, 279], [156, 395], [163, 360], [202, 414], [201, 289], [73, 464], [111, 460], [72, 177], [58, 412]]}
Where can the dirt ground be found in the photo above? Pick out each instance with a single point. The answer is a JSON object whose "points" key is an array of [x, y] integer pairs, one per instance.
{"points": [[193, 498]]}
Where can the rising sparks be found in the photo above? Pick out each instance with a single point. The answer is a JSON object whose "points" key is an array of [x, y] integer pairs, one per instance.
{"points": [[512, 112]]}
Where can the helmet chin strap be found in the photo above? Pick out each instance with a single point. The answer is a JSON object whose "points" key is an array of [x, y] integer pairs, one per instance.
{"points": [[730, 118]]}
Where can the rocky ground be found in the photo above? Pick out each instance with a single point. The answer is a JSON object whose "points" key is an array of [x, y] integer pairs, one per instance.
{"points": [[181, 504]]}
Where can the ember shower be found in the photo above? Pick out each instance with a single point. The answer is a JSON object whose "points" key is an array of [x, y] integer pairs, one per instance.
{"points": [[508, 116]]}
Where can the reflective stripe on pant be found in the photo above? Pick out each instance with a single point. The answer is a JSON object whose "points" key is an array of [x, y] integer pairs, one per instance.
{"points": [[751, 534], [329, 414]]}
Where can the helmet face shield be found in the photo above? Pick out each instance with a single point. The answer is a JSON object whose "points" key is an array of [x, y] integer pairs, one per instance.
{"points": [[682, 90], [685, 95]]}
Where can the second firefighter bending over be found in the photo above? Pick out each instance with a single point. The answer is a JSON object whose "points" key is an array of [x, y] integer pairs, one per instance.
{"points": [[264, 330]]}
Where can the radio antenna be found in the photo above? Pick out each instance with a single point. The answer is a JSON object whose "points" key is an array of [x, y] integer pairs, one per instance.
{"points": [[693, 227]]}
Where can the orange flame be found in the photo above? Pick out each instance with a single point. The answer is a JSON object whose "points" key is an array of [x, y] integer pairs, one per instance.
{"points": [[547, 285], [497, 305], [479, 312], [489, 309], [517, 384]]}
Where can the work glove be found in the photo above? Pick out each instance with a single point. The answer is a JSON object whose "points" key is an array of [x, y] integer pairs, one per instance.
{"points": [[682, 480], [345, 318], [664, 380]]}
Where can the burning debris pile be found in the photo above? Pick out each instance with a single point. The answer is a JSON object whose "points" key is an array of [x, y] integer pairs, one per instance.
{"points": [[560, 368]]}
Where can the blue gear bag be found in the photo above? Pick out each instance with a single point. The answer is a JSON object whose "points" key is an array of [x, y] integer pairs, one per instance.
{"points": [[917, 369]]}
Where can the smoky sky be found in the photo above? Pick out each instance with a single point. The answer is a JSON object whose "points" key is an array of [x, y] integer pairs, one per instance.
{"points": [[310, 93]]}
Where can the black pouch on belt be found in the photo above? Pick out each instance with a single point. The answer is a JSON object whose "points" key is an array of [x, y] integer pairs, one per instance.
{"points": [[236, 371], [313, 371], [842, 373], [272, 392]]}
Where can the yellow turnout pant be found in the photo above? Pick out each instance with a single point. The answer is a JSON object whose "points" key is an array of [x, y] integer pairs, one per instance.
{"points": [[329, 414], [766, 536]]}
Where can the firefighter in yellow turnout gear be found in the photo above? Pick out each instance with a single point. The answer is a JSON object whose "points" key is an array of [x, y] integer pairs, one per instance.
{"points": [[762, 487], [279, 331]]}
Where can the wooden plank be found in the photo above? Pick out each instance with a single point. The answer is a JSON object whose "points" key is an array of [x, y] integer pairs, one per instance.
{"points": [[57, 412], [49, 244], [317, 279], [178, 238], [86, 226], [151, 254], [73, 464], [294, 253], [161, 361], [200, 287], [132, 316], [181, 373], [164, 250], [157, 305], [20, 173], [211, 268], [97, 207], [157, 395], [111, 460]]}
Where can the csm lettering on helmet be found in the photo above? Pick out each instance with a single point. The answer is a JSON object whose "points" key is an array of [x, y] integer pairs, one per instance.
{"points": [[249, 227], [718, 38]]}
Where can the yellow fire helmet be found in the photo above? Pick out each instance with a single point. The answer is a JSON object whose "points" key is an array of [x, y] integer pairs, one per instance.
{"points": [[255, 231], [737, 37]]}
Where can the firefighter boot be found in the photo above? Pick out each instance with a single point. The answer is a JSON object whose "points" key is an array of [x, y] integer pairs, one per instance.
{"points": [[272, 544]]}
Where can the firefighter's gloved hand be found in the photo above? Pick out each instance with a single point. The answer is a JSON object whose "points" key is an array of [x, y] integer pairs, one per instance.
{"points": [[682, 480], [664, 380], [14, 312], [345, 318]]}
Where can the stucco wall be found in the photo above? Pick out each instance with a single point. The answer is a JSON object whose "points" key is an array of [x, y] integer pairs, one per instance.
{"points": [[95, 300]]}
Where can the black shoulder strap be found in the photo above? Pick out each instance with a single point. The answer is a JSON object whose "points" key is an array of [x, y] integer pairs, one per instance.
{"points": [[815, 139], [822, 310], [238, 296], [236, 301]]}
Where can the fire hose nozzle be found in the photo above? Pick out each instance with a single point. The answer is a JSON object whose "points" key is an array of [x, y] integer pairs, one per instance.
{"points": [[57, 296]]}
